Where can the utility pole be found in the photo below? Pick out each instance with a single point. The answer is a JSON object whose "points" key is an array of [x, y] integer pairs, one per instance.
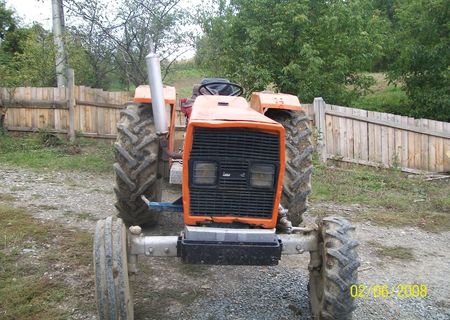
{"points": [[58, 33]]}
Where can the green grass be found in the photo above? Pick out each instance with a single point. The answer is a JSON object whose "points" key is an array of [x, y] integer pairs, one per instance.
{"points": [[183, 76], [193, 270], [425, 220], [25, 293], [389, 197], [392, 100], [393, 252], [18, 188], [29, 151], [383, 97], [7, 197], [384, 188], [47, 207]]}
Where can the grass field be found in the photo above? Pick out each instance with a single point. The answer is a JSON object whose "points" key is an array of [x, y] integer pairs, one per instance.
{"points": [[388, 197], [383, 97], [183, 76], [32, 255], [35, 151]]}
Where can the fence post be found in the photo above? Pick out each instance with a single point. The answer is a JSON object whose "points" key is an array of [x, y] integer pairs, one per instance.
{"points": [[71, 102], [319, 119]]}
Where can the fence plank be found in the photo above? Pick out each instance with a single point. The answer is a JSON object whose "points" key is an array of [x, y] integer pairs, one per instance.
{"points": [[349, 138], [319, 109], [417, 147], [392, 160], [384, 141], [378, 140], [336, 136], [405, 143], [432, 148], [424, 146], [398, 150], [329, 147], [70, 94], [82, 113], [107, 120], [411, 144], [363, 126], [357, 136], [342, 129], [446, 151], [371, 137], [439, 143]]}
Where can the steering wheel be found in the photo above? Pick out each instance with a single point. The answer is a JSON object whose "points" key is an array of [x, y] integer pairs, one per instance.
{"points": [[215, 88]]}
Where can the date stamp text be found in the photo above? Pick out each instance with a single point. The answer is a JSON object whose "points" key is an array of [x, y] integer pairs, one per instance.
{"points": [[383, 291]]}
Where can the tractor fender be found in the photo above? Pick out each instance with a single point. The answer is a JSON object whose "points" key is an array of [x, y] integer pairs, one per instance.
{"points": [[263, 101], [142, 95]]}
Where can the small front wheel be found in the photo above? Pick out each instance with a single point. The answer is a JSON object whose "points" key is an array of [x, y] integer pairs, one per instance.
{"points": [[333, 270], [112, 288]]}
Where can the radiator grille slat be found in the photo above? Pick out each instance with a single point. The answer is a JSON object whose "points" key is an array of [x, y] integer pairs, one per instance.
{"points": [[235, 149]]}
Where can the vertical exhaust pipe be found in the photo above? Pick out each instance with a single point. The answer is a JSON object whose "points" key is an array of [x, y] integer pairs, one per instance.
{"points": [[156, 90]]}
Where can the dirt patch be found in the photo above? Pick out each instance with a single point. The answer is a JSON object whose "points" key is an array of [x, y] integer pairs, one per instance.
{"points": [[393, 252], [7, 197]]}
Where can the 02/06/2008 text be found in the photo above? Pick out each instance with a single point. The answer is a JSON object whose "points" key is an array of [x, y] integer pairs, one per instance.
{"points": [[408, 291]]}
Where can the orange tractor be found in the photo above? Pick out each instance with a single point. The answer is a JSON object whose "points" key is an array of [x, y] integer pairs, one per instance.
{"points": [[246, 169]]}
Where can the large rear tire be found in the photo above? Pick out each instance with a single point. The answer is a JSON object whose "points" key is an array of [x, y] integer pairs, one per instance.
{"points": [[137, 154], [112, 288], [333, 270], [297, 174]]}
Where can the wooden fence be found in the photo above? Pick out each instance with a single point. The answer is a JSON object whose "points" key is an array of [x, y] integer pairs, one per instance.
{"points": [[95, 112], [381, 139], [345, 134]]}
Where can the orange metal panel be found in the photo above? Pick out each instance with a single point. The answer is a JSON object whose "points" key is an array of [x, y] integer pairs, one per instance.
{"points": [[263, 126], [142, 94], [225, 108], [261, 101]]}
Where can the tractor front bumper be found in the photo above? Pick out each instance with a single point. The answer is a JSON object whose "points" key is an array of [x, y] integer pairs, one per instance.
{"points": [[221, 246]]}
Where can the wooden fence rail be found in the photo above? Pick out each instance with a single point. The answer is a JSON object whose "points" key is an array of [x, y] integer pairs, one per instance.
{"points": [[345, 134]]}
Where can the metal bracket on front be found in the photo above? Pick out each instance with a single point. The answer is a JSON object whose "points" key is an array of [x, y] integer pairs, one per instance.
{"points": [[298, 244], [221, 245], [176, 206], [150, 246]]}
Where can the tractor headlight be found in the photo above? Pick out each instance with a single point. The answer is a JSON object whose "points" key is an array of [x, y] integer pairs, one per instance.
{"points": [[262, 175], [205, 173]]}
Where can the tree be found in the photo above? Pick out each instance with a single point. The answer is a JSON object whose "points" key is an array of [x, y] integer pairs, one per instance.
{"points": [[12, 39], [8, 23], [307, 48], [422, 56], [34, 66], [122, 29], [90, 50]]}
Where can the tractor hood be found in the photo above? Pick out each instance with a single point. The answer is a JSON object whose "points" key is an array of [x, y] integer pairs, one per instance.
{"points": [[225, 108]]}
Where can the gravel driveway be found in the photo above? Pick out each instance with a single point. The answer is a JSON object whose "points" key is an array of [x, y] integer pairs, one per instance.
{"points": [[167, 289]]}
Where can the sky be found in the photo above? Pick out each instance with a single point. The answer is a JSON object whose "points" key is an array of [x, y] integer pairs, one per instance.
{"points": [[41, 11], [33, 10]]}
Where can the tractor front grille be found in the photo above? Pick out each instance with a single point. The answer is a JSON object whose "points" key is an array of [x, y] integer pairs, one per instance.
{"points": [[234, 150]]}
